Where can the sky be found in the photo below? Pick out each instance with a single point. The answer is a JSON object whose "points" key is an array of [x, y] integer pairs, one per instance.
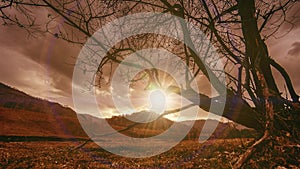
{"points": [[43, 66]]}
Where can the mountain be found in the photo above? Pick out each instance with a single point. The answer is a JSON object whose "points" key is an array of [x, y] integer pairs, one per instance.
{"points": [[24, 115], [156, 127]]}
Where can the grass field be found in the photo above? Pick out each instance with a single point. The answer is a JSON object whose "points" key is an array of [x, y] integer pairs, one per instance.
{"points": [[52, 154]]}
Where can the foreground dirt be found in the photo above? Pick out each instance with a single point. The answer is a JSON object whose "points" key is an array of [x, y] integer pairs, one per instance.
{"points": [[187, 154]]}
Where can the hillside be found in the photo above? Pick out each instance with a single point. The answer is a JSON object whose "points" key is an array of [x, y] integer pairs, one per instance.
{"points": [[156, 127], [24, 115]]}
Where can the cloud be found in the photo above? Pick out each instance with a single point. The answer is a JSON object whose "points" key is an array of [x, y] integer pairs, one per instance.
{"points": [[27, 75], [281, 50], [41, 66], [295, 49], [54, 56], [292, 18], [294, 14]]}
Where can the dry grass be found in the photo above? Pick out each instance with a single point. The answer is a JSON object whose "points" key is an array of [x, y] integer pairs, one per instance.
{"points": [[188, 154]]}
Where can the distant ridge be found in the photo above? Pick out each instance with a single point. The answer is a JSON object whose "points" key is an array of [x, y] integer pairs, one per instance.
{"points": [[24, 115]]}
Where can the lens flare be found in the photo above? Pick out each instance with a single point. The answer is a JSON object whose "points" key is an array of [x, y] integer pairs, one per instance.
{"points": [[158, 101]]}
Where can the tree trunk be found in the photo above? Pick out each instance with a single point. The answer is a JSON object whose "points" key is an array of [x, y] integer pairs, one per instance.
{"points": [[256, 49]]}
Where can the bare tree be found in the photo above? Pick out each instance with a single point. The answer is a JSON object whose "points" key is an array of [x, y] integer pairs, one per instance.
{"points": [[238, 28]]}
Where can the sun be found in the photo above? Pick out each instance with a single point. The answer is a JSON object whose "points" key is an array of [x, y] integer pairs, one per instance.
{"points": [[158, 101], [161, 100], [150, 92]]}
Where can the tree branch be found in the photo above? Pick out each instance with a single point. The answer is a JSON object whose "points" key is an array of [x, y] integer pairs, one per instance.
{"points": [[287, 79]]}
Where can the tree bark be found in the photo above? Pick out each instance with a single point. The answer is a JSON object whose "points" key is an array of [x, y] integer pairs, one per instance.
{"points": [[256, 49]]}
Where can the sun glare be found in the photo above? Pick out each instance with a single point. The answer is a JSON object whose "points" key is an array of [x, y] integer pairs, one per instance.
{"points": [[158, 101]]}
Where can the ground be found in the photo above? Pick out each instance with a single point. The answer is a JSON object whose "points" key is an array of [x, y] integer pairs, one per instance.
{"points": [[220, 153]]}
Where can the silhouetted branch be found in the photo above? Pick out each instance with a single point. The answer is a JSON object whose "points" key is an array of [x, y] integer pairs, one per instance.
{"points": [[287, 79]]}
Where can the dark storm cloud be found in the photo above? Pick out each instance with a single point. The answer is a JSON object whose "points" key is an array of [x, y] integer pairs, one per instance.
{"points": [[295, 49]]}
